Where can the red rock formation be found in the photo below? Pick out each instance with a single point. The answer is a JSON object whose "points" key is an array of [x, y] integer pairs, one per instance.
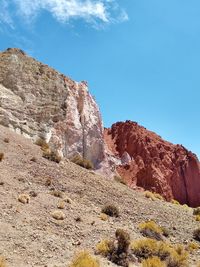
{"points": [[155, 164]]}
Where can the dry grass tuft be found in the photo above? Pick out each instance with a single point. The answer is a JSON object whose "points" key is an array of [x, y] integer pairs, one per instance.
{"points": [[174, 201], [196, 234], [120, 180], [105, 247], [196, 211], [87, 164], [192, 246], [24, 198], [153, 196], [103, 217], [84, 259], [58, 215], [153, 262], [1, 156], [2, 262], [151, 229], [197, 218], [57, 194], [6, 140], [61, 204], [174, 256], [42, 143], [110, 210], [51, 155]]}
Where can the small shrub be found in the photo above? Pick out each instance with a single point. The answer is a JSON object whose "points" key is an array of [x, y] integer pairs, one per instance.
{"points": [[110, 210], [61, 205], [87, 164], [196, 234], [48, 182], [123, 239], [58, 215], [33, 194], [33, 159], [173, 201], [42, 143], [153, 196], [192, 246], [196, 211], [174, 256], [105, 248], [68, 200], [153, 262], [197, 218], [151, 229], [6, 140], [84, 259], [120, 180], [2, 262], [78, 219], [103, 217], [57, 193], [1, 156], [51, 155], [24, 198]]}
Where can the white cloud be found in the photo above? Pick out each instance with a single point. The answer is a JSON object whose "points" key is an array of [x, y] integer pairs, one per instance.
{"points": [[5, 17], [92, 11]]}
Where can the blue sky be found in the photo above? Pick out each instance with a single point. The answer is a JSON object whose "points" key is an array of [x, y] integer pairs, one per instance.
{"points": [[141, 58]]}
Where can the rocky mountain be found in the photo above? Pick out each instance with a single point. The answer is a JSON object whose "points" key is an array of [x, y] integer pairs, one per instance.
{"points": [[38, 102], [154, 164]]}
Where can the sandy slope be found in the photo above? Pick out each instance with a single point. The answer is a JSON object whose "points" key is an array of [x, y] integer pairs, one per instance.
{"points": [[29, 236]]}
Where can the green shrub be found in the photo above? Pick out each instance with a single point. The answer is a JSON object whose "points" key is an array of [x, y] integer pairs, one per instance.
{"points": [[110, 210], [87, 164]]}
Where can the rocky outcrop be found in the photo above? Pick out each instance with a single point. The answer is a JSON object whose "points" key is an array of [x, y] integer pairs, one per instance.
{"points": [[37, 101], [154, 164]]}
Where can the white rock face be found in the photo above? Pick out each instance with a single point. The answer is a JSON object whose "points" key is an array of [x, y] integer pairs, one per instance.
{"points": [[37, 101]]}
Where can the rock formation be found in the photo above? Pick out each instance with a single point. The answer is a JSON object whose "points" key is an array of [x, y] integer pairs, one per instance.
{"points": [[38, 102], [155, 164]]}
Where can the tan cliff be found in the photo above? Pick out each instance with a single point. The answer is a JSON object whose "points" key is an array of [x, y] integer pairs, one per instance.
{"points": [[38, 102]]}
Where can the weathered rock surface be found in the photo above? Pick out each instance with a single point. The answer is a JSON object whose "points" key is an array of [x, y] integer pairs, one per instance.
{"points": [[36, 101], [155, 164]]}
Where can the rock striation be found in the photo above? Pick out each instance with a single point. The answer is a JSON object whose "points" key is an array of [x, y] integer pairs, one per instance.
{"points": [[149, 162], [38, 102]]}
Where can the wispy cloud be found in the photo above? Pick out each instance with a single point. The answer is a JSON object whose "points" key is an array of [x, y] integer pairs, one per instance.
{"points": [[92, 11]]}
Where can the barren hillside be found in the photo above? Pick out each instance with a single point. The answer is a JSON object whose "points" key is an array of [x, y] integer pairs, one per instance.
{"points": [[30, 236]]}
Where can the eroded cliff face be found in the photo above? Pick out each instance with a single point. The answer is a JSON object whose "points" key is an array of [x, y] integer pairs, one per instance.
{"points": [[149, 162], [37, 101]]}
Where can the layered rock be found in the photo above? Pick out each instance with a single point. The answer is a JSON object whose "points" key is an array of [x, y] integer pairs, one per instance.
{"points": [[37, 101], [154, 164]]}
